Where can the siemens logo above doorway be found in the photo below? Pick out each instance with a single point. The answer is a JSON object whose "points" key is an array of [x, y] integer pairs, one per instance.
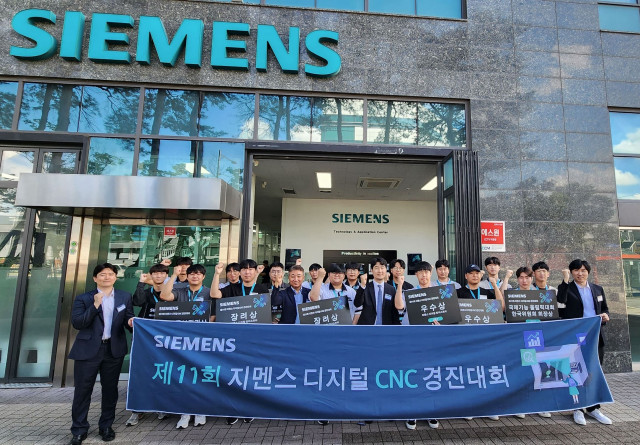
{"points": [[360, 218]]}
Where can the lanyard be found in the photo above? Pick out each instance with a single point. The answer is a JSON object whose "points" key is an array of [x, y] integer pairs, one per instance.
{"points": [[195, 295], [251, 291], [545, 288], [153, 294], [442, 284], [498, 282], [473, 295], [394, 284]]}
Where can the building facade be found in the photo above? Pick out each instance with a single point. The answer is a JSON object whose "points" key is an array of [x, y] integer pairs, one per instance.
{"points": [[130, 133]]}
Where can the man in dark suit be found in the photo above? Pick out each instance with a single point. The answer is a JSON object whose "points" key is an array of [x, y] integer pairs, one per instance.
{"points": [[293, 295], [101, 316], [377, 300], [583, 299]]}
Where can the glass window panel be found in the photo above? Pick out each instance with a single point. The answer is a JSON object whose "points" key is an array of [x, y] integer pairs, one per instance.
{"points": [[448, 174], [337, 120], [50, 107], [440, 8], [8, 93], [284, 118], [59, 162], [625, 132], [109, 110], [631, 2], [627, 177], [11, 232], [110, 156], [344, 5], [619, 18], [15, 162], [224, 160], [395, 6], [227, 115], [171, 112], [390, 122], [43, 294], [298, 3], [441, 125], [167, 158]]}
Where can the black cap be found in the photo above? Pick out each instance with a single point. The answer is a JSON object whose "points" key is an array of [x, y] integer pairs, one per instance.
{"points": [[472, 268], [335, 268]]}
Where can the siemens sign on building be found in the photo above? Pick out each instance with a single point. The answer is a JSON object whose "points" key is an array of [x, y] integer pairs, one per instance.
{"points": [[188, 38]]}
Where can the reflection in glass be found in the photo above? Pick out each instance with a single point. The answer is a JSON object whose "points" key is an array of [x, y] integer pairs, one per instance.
{"points": [[227, 115], [284, 118], [134, 249], [625, 132], [441, 125], [8, 93], [337, 120], [110, 156], [171, 112], [59, 162], [167, 158], [394, 7], [109, 110], [15, 162], [619, 18], [224, 160], [343, 5], [448, 173], [450, 234], [440, 8], [391, 122], [630, 247], [42, 296], [11, 232], [50, 107], [627, 177], [297, 3]]}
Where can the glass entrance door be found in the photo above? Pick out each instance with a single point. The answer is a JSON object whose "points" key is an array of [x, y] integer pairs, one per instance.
{"points": [[33, 246]]}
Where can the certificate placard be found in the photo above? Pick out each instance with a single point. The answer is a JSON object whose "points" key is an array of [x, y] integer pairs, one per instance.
{"points": [[254, 308], [481, 311], [329, 311], [439, 303], [523, 305], [183, 310]]}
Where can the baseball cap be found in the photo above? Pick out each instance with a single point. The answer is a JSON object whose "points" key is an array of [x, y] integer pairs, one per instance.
{"points": [[472, 268]]}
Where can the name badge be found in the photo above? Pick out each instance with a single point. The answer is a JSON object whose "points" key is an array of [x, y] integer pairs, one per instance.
{"points": [[599, 298], [120, 308], [387, 297]]}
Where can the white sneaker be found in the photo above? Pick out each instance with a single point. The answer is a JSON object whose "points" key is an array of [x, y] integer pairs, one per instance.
{"points": [[493, 418], [596, 414], [133, 420], [410, 424], [162, 416], [545, 414], [578, 417], [520, 416], [183, 422], [433, 423], [468, 418], [199, 420]]}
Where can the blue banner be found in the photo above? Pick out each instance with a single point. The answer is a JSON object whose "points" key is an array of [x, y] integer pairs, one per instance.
{"points": [[365, 372]]}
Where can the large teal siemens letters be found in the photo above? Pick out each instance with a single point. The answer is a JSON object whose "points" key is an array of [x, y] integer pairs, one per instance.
{"points": [[188, 36], [221, 44], [23, 24], [268, 38], [315, 48], [72, 32], [101, 35]]}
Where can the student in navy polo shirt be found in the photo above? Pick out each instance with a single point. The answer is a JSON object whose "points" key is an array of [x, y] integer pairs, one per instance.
{"points": [[473, 274]]}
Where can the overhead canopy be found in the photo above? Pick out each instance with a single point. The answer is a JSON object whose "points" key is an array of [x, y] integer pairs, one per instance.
{"points": [[129, 196]]}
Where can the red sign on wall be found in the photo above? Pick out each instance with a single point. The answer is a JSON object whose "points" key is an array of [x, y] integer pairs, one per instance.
{"points": [[170, 231], [492, 236]]}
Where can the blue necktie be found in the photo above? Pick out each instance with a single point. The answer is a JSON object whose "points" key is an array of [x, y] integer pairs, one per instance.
{"points": [[378, 304]]}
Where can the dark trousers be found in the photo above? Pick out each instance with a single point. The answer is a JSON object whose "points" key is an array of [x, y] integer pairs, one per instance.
{"points": [[85, 373], [600, 357]]}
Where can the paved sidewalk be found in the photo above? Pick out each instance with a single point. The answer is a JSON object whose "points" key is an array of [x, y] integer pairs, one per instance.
{"points": [[43, 416]]}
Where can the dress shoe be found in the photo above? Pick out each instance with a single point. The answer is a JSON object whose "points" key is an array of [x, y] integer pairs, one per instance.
{"points": [[77, 439], [107, 434]]}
